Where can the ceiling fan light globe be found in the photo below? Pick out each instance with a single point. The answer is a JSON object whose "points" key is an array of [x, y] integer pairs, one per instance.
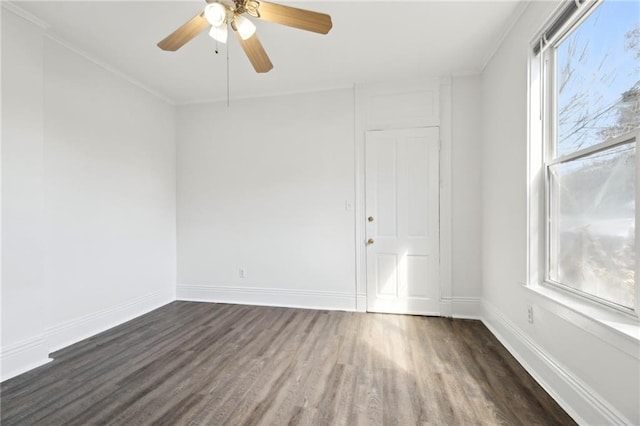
{"points": [[215, 14], [219, 33], [244, 26]]}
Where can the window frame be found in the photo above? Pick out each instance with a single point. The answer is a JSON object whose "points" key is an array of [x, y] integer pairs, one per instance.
{"points": [[542, 136], [627, 138]]}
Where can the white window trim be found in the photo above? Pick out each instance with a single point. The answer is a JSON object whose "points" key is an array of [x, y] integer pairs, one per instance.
{"points": [[619, 326]]}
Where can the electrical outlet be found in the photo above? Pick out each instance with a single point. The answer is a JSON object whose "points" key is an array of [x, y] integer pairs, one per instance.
{"points": [[241, 273], [530, 314]]}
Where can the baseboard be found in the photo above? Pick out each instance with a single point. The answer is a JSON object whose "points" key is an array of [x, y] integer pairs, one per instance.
{"points": [[446, 307], [361, 302], [306, 299], [578, 399], [70, 332], [466, 307], [461, 307], [23, 356]]}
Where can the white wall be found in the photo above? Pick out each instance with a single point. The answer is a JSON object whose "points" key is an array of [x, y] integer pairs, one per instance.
{"points": [[23, 344], [466, 149], [88, 180], [595, 379], [109, 194], [263, 186]]}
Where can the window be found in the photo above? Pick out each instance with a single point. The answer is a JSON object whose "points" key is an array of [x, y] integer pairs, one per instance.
{"points": [[586, 64]]}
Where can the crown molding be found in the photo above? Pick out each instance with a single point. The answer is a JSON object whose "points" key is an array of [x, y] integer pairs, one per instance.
{"points": [[17, 10], [64, 43], [45, 27], [273, 94], [466, 73], [513, 19]]}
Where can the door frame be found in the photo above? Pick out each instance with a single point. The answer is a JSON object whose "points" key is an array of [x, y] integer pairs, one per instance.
{"points": [[405, 304], [366, 97]]}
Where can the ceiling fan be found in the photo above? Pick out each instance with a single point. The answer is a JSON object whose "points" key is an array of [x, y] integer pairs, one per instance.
{"points": [[219, 14]]}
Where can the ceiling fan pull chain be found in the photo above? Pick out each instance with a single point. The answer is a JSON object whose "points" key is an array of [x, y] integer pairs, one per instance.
{"points": [[228, 74]]}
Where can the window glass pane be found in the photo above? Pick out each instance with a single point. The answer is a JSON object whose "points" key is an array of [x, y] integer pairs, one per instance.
{"points": [[592, 232], [598, 77]]}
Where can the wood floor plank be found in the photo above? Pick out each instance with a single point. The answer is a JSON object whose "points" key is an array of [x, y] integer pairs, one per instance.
{"points": [[202, 364]]}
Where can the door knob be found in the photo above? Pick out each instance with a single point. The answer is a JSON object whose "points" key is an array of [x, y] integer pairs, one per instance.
{"points": [[370, 218], [370, 241]]}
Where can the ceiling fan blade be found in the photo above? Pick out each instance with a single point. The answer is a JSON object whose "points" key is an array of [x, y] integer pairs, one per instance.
{"points": [[256, 53], [184, 34], [294, 17]]}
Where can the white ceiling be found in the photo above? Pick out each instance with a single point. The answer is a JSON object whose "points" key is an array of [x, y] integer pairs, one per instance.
{"points": [[370, 41]]}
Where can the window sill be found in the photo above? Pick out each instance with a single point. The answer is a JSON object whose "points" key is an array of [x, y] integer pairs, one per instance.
{"points": [[617, 329]]}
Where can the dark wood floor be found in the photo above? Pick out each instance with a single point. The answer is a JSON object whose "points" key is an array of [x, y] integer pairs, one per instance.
{"points": [[216, 364]]}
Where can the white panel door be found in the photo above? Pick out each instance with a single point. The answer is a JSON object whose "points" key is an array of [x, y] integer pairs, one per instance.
{"points": [[402, 210]]}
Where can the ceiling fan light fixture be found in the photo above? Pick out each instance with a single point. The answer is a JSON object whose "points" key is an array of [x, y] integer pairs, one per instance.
{"points": [[219, 33], [244, 26], [215, 14]]}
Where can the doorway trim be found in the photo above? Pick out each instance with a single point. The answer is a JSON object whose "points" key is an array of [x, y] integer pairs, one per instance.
{"points": [[397, 105]]}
